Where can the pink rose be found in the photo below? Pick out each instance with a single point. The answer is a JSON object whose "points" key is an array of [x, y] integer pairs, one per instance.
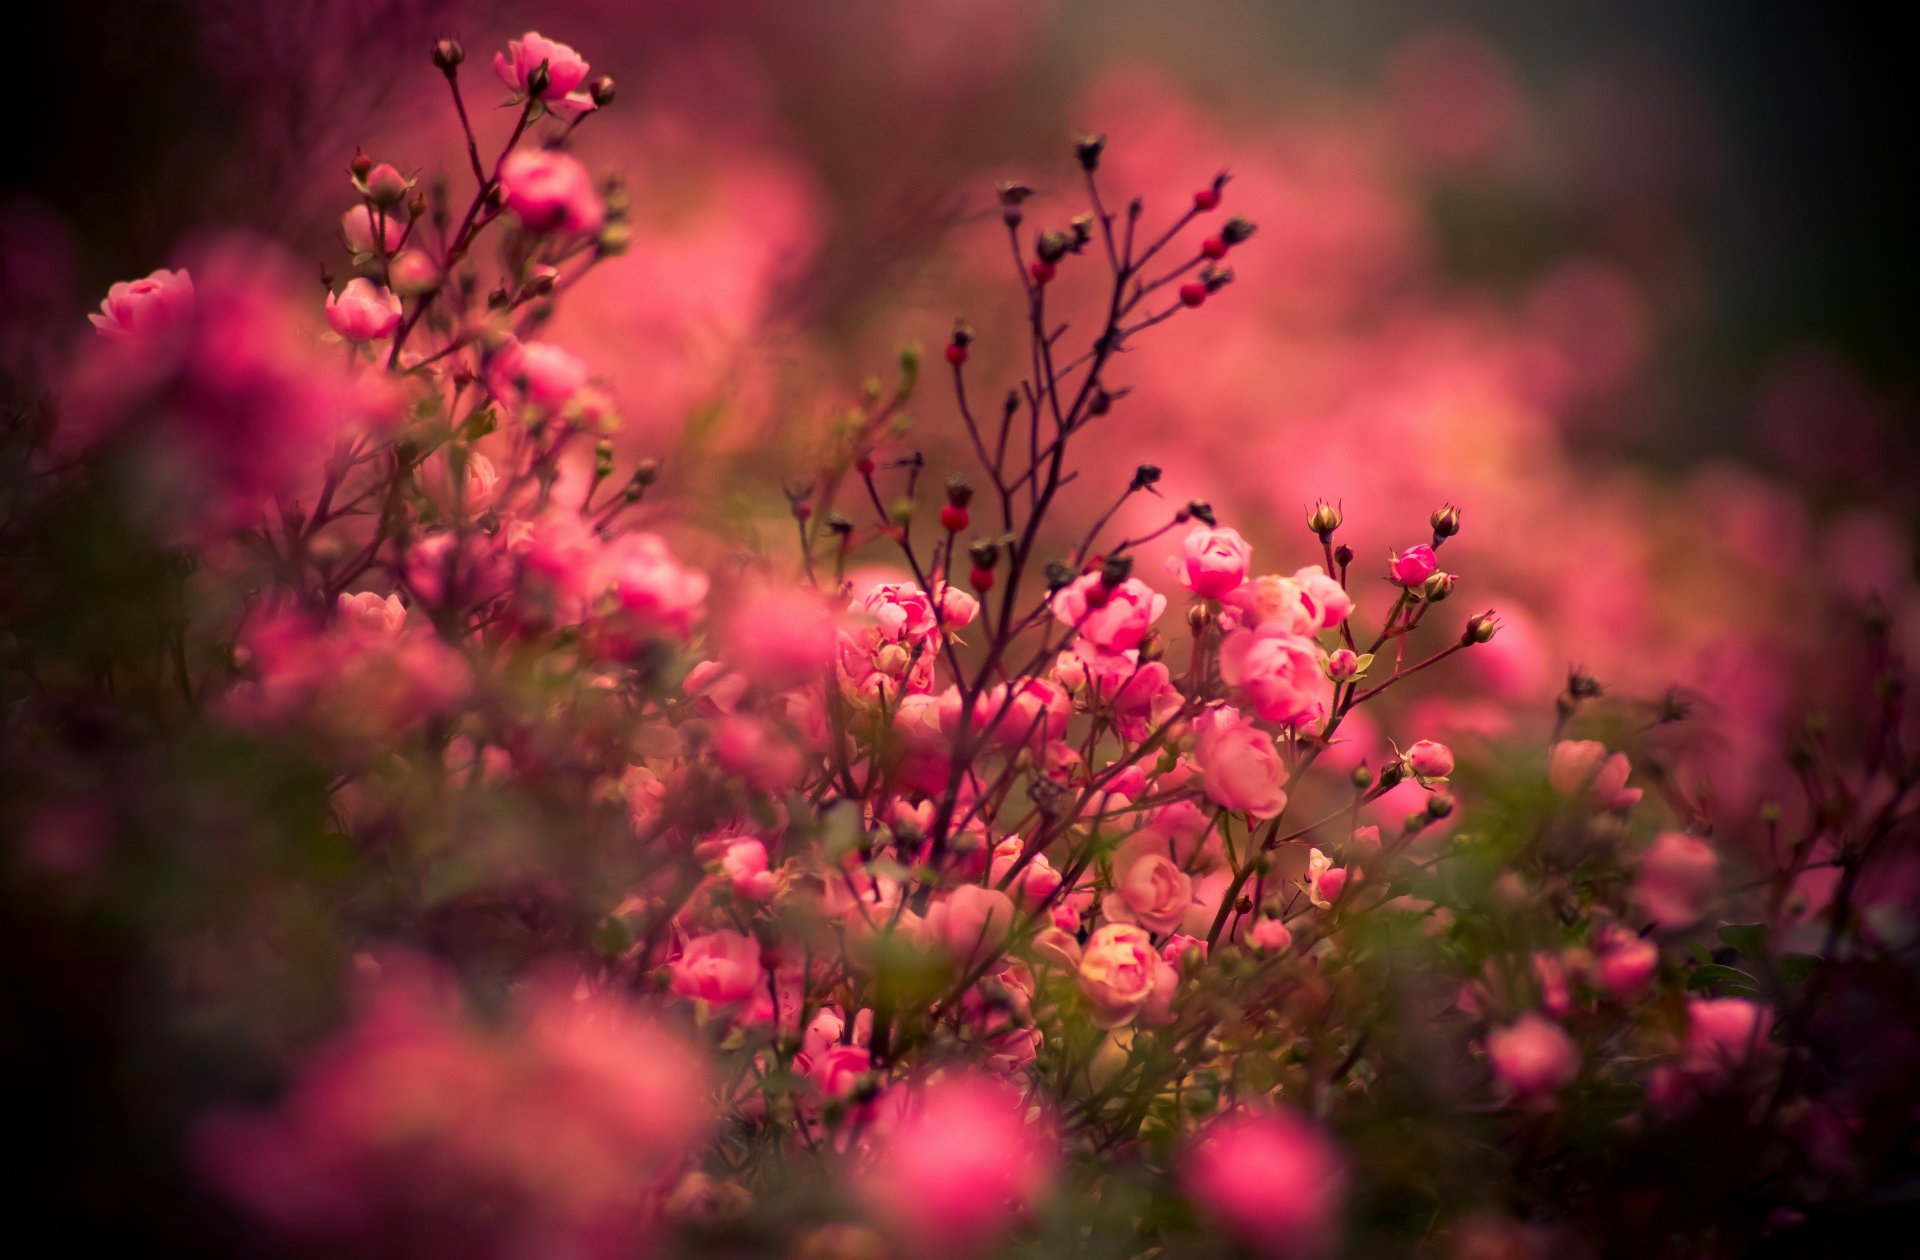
{"points": [[363, 311], [972, 921], [1270, 935], [745, 866], [1277, 674], [1724, 1034], [649, 584], [838, 1069], [1240, 768], [368, 231], [718, 968], [158, 304], [1429, 760], [566, 69], [1583, 767], [372, 614], [1214, 561], [1115, 619], [1533, 1057], [551, 192], [1677, 880], [1148, 889], [1273, 1179], [1412, 566], [1626, 963], [1117, 973]]}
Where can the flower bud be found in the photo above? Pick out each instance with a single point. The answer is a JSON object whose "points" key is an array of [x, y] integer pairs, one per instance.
{"points": [[1088, 149], [361, 165], [1439, 805], [1012, 194], [1437, 587], [1324, 519], [1201, 511], [1145, 475], [1342, 664], [1051, 245], [1479, 629], [1115, 570], [602, 91], [1362, 778], [1343, 555], [1237, 229], [539, 79], [959, 492], [1446, 523], [447, 54], [386, 185]]}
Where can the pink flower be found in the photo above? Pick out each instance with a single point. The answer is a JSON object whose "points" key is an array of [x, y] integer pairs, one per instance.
{"points": [[1626, 962], [779, 635], [540, 373], [1724, 1034], [1270, 935], [1148, 889], [159, 304], [1429, 760], [363, 311], [1240, 768], [1113, 619], [566, 69], [745, 866], [1677, 880], [1533, 1057], [959, 1167], [363, 226], [1412, 566], [478, 482], [1306, 603], [551, 192], [648, 583], [1215, 561], [972, 921], [372, 614], [1278, 674], [1583, 766], [1273, 1179], [718, 968], [1342, 664], [839, 1068], [1117, 973], [1325, 881]]}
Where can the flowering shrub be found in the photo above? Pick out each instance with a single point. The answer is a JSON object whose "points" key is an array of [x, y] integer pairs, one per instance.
{"points": [[942, 879]]}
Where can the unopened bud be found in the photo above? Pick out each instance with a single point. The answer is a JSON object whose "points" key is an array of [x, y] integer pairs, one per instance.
{"points": [[647, 472], [1343, 555], [386, 186], [1115, 570], [1439, 805], [1216, 278], [1446, 523], [1323, 519], [362, 165], [603, 459], [602, 91], [1480, 628], [1088, 149], [1199, 617], [959, 491], [447, 54], [1437, 587], [1145, 475], [1052, 245], [1012, 194], [1201, 511], [539, 79], [1100, 403], [1362, 778], [1237, 229]]}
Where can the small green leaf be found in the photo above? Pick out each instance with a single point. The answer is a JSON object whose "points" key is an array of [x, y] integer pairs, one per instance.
{"points": [[1749, 938], [1797, 967], [1714, 973]]}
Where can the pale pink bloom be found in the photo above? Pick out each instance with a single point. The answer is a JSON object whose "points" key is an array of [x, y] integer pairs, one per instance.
{"points": [[1158, 1011], [1214, 561], [779, 634], [364, 225], [1277, 674], [551, 192], [1626, 962], [648, 583], [479, 482], [1148, 889], [1117, 973], [1533, 1057], [761, 754], [536, 372], [1241, 769], [1677, 880], [1115, 619], [1324, 881], [1724, 1034], [1583, 766], [718, 968], [1429, 760], [1037, 879], [158, 304], [363, 311], [836, 1070], [745, 866], [372, 614], [566, 69], [1273, 1179], [959, 1167], [1058, 946], [1412, 566], [1306, 603], [971, 921], [1325, 599], [1270, 935]]}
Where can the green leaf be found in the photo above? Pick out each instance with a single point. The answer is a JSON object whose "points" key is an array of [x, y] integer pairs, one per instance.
{"points": [[1749, 938], [1797, 967], [1714, 973]]}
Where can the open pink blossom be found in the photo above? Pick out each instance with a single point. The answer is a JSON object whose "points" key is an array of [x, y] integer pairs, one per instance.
{"points": [[363, 311], [1213, 561], [1533, 1057], [566, 69], [1117, 973], [1241, 768], [1148, 889], [1584, 767], [1277, 674], [551, 192], [1273, 1179], [1677, 880], [1412, 566], [719, 967], [368, 230], [1115, 618], [157, 304]]}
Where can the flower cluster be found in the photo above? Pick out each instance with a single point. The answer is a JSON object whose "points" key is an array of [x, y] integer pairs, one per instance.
{"points": [[814, 899]]}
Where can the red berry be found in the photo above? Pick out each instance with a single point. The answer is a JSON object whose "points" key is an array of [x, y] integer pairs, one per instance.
{"points": [[1213, 247], [956, 353], [864, 465], [954, 518], [1043, 271], [982, 579], [1206, 199], [1193, 294]]}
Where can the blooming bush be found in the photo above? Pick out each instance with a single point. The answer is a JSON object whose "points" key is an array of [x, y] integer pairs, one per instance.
{"points": [[935, 877]]}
